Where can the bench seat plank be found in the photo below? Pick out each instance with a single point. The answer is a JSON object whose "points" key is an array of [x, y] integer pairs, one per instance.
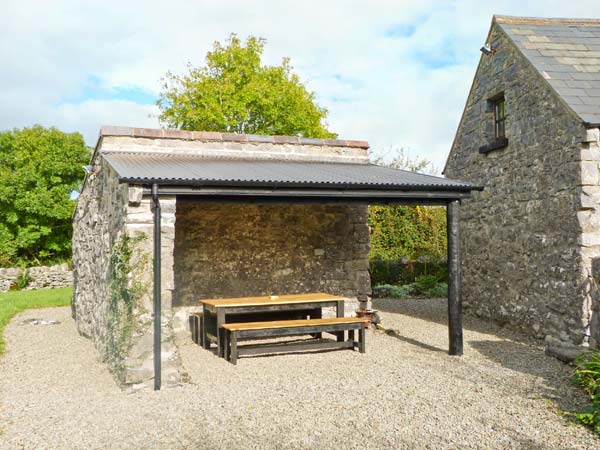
{"points": [[231, 332], [291, 323]]}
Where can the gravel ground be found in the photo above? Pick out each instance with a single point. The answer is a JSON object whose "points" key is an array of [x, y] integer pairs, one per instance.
{"points": [[405, 392]]}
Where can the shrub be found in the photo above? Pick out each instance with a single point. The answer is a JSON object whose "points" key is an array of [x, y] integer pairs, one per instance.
{"points": [[440, 290], [424, 284], [402, 271], [587, 375], [21, 282], [389, 291]]}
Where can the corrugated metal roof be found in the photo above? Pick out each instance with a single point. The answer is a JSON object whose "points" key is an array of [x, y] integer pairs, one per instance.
{"points": [[144, 168], [566, 52]]}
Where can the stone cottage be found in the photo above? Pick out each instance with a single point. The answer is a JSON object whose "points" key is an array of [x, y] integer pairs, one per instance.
{"points": [[224, 215], [530, 136]]}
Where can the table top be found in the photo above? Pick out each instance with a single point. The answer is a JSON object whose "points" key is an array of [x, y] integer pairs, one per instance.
{"points": [[272, 300]]}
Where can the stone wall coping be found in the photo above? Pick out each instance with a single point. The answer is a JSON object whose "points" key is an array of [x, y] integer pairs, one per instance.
{"points": [[211, 136], [545, 20]]}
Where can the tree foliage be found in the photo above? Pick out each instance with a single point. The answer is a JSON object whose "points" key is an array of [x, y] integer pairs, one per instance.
{"points": [[235, 93], [39, 169], [407, 231]]}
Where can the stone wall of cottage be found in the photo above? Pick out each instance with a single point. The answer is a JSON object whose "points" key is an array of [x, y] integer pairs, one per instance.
{"points": [[41, 277], [98, 221], [254, 149], [521, 237], [117, 316], [238, 250], [589, 220]]}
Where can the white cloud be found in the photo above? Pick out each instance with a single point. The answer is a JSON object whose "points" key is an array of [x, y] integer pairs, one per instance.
{"points": [[407, 90]]}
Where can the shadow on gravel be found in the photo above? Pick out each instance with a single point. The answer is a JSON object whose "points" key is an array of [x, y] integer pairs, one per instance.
{"points": [[395, 334], [514, 351], [532, 360], [436, 310]]}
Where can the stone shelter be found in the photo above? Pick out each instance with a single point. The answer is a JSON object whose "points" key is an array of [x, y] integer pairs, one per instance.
{"points": [[168, 217], [529, 134]]}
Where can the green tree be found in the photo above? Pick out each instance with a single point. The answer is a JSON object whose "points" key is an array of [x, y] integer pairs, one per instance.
{"points": [[235, 93], [39, 170], [407, 231]]}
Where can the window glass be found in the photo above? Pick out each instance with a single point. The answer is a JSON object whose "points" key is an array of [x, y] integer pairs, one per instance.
{"points": [[499, 118]]}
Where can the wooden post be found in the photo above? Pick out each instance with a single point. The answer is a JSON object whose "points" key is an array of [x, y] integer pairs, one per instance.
{"points": [[455, 330]]}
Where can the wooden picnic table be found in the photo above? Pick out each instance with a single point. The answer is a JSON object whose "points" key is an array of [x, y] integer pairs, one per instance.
{"points": [[216, 311]]}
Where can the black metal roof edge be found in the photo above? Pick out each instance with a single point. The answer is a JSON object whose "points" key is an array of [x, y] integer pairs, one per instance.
{"points": [[277, 184], [287, 161]]}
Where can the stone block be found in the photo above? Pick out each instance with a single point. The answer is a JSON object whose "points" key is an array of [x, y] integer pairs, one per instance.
{"points": [[592, 135], [590, 174], [135, 195]]}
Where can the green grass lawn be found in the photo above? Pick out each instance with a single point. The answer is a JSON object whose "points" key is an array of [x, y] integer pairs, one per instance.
{"points": [[12, 303]]}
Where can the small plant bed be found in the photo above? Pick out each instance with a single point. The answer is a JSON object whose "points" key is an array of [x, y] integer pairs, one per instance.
{"points": [[587, 376], [425, 286], [12, 303]]}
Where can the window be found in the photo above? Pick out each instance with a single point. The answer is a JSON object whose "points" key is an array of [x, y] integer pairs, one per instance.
{"points": [[495, 127], [499, 118]]}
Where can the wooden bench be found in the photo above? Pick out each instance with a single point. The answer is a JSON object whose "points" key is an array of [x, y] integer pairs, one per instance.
{"points": [[231, 333], [196, 324]]}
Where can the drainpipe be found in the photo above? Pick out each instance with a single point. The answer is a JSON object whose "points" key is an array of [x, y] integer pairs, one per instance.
{"points": [[157, 311]]}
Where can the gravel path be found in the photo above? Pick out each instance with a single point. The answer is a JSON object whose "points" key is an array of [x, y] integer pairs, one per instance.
{"points": [[405, 392]]}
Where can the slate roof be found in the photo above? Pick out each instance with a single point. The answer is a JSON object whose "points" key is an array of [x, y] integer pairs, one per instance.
{"points": [[566, 52], [179, 169]]}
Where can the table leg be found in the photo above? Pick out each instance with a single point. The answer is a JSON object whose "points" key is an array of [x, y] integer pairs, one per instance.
{"points": [[340, 313], [361, 342], [220, 322], [204, 337], [318, 314], [234, 349], [226, 351]]}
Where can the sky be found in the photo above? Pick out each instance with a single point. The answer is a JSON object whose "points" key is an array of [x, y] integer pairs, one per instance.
{"points": [[394, 73]]}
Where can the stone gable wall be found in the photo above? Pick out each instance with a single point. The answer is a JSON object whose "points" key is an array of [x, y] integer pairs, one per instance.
{"points": [[98, 220], [520, 237], [589, 220], [106, 212], [236, 250]]}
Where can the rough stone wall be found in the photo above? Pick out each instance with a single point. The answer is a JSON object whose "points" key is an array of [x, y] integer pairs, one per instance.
{"points": [[237, 250], [107, 212], [139, 363], [98, 220], [237, 150], [42, 277], [520, 237], [589, 220]]}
